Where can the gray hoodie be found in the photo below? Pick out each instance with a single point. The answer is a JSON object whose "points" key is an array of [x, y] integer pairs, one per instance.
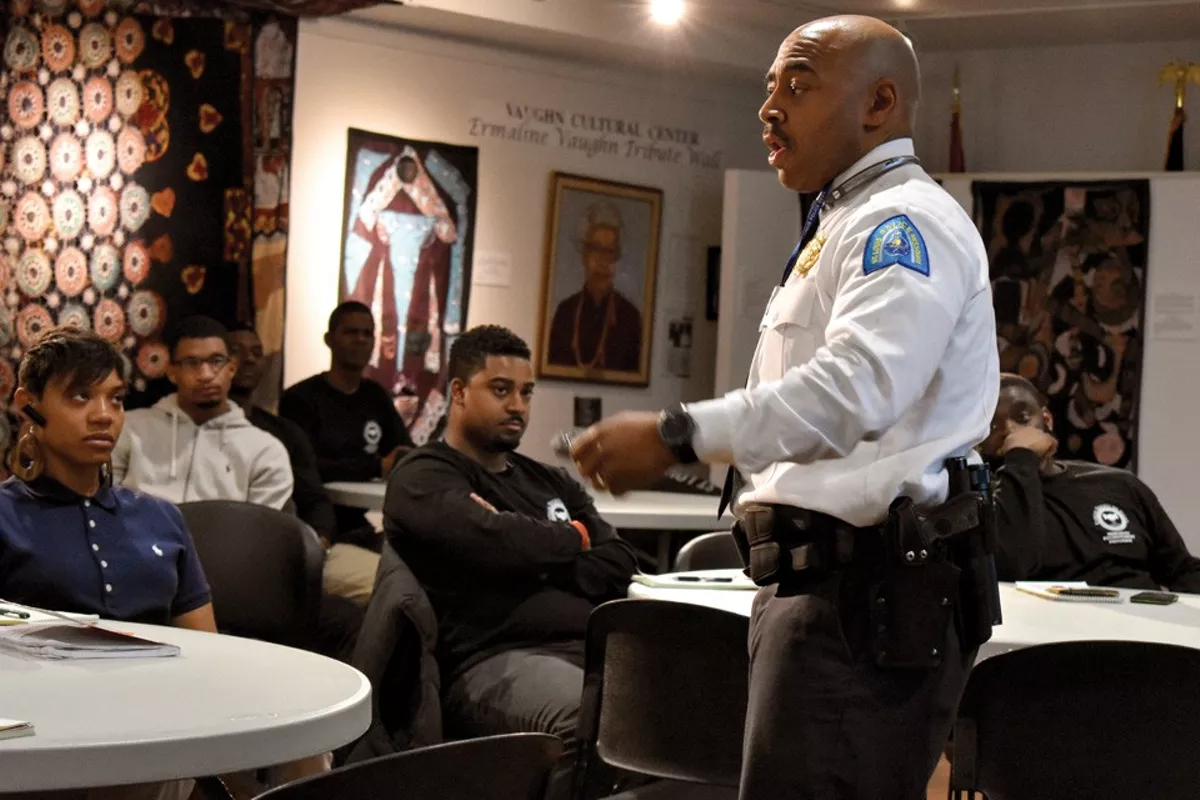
{"points": [[163, 453]]}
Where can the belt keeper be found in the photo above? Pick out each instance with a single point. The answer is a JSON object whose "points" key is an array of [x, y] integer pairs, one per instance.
{"points": [[805, 556]]}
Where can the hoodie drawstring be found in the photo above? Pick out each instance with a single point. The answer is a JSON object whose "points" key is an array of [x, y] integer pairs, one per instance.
{"points": [[174, 430]]}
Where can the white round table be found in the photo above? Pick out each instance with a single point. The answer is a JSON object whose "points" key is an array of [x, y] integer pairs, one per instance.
{"points": [[1028, 620], [224, 704]]}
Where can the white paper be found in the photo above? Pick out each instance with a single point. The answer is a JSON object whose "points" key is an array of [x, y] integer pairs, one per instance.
{"points": [[1175, 316], [491, 269]]}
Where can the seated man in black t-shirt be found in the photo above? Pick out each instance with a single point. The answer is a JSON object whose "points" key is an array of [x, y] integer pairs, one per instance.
{"points": [[357, 435], [512, 553], [1067, 520]]}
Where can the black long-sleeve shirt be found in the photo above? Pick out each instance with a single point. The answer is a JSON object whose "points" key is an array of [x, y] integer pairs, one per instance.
{"points": [[1087, 523], [308, 493], [350, 434], [514, 577]]}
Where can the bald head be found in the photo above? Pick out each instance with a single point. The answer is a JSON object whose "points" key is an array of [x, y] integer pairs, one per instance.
{"points": [[840, 86]]}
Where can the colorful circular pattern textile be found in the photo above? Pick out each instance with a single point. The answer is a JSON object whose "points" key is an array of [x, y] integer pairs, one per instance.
{"points": [[95, 46], [97, 99], [32, 321], [130, 40], [137, 262], [102, 211], [32, 216], [52, 7], [29, 159], [34, 273], [25, 104], [5, 338], [91, 7], [135, 207], [21, 50], [62, 102], [152, 116], [101, 153], [58, 48], [131, 150], [109, 320], [128, 93], [71, 271], [152, 359], [66, 158], [75, 316], [145, 313], [106, 267], [69, 214]]}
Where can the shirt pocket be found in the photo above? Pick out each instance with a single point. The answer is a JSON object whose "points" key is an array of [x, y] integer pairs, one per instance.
{"points": [[787, 339]]}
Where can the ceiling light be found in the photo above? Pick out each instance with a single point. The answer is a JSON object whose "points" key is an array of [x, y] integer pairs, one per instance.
{"points": [[666, 12]]}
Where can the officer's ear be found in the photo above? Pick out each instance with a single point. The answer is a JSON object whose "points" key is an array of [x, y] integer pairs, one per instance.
{"points": [[458, 391], [882, 103], [1048, 420]]}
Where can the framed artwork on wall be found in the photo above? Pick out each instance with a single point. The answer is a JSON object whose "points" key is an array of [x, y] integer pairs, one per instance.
{"points": [[602, 241], [407, 236]]}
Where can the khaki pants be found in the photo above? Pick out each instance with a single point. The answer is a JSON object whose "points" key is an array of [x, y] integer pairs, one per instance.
{"points": [[350, 572]]}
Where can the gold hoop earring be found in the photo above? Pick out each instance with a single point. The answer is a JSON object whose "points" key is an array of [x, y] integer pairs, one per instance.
{"points": [[26, 459]]}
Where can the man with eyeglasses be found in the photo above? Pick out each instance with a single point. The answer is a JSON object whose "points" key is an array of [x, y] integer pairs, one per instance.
{"points": [[195, 444]]}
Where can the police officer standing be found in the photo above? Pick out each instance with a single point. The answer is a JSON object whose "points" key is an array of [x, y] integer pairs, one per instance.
{"points": [[875, 375]]}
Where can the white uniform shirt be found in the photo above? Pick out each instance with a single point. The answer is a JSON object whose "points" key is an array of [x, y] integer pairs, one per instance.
{"points": [[867, 377]]}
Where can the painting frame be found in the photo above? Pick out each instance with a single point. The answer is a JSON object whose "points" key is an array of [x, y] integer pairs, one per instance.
{"points": [[608, 231], [414, 331]]}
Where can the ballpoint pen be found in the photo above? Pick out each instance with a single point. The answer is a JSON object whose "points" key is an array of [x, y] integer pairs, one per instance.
{"points": [[13, 612]]}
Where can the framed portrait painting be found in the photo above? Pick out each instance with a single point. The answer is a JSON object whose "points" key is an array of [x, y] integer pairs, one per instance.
{"points": [[598, 291], [407, 236]]}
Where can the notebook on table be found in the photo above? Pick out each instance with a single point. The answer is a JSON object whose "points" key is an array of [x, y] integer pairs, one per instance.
{"points": [[67, 640], [720, 579], [14, 728], [1070, 591]]}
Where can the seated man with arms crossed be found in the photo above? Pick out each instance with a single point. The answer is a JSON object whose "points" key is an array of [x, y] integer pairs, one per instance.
{"points": [[512, 553], [1070, 520]]}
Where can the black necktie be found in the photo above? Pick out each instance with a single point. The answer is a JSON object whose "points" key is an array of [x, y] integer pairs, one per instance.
{"points": [[733, 477]]}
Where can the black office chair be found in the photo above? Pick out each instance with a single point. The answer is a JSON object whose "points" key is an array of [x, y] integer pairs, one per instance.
{"points": [[664, 694], [264, 568], [709, 551], [1101, 720], [509, 767]]}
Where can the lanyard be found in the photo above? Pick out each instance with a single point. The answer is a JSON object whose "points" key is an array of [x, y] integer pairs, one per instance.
{"points": [[835, 195]]}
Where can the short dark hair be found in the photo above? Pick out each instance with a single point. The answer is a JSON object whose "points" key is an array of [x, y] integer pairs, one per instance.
{"points": [[470, 351], [1009, 380], [345, 308], [198, 327], [82, 358]]}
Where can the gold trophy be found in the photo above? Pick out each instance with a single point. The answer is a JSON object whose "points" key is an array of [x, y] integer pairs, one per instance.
{"points": [[1177, 74]]}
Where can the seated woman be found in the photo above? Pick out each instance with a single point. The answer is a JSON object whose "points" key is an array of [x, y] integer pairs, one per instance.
{"points": [[63, 523]]}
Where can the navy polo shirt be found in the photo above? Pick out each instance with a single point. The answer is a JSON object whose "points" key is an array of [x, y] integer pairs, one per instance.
{"points": [[121, 554]]}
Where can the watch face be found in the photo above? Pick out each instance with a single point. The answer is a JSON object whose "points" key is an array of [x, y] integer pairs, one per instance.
{"points": [[676, 428]]}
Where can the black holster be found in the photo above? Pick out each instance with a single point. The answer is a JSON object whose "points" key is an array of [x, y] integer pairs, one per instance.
{"points": [[938, 570]]}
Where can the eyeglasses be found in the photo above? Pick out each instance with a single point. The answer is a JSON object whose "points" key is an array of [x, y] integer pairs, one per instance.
{"points": [[192, 363]]}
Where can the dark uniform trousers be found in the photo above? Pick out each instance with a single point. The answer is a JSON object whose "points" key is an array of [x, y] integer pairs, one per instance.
{"points": [[823, 721]]}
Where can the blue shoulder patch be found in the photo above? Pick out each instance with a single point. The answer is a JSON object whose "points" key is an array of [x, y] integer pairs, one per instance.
{"points": [[896, 241]]}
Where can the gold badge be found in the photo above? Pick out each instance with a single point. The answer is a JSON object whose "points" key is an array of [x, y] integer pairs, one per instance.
{"points": [[810, 254]]}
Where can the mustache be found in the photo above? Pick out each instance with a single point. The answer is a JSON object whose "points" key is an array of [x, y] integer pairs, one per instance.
{"points": [[519, 420]]}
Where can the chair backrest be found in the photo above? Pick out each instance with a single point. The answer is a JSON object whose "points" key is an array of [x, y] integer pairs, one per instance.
{"points": [[513, 766], [264, 569], [665, 691], [709, 551], [1087, 719]]}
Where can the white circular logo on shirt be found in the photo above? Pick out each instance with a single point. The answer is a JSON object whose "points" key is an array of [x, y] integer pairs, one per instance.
{"points": [[1110, 518], [556, 511], [372, 433]]}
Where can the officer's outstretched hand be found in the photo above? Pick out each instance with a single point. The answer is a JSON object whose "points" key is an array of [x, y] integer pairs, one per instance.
{"points": [[622, 453]]}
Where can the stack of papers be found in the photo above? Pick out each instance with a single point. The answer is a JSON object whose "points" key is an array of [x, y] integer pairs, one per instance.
{"points": [[1070, 591], [12, 728], [63, 640]]}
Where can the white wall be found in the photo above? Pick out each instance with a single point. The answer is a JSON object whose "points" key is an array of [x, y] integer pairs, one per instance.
{"points": [[1094, 108], [405, 85]]}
